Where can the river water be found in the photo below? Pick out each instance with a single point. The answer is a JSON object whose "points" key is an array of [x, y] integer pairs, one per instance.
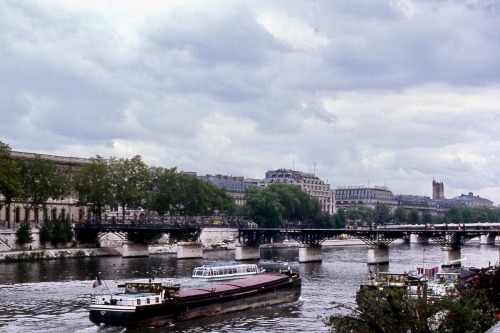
{"points": [[53, 296]]}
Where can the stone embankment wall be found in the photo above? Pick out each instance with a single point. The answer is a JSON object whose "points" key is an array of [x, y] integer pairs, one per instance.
{"points": [[110, 244], [13, 256]]}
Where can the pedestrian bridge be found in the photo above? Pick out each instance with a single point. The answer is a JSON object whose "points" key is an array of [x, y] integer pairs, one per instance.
{"points": [[139, 233]]}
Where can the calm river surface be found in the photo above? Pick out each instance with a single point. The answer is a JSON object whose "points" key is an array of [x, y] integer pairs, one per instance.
{"points": [[53, 296]]}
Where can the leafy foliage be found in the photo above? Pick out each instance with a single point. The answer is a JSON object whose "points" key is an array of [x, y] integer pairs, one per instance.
{"points": [[279, 204], [128, 180], [92, 185], [488, 280], [24, 234], [394, 311], [340, 218], [197, 197], [58, 231], [41, 180], [10, 181], [381, 214]]}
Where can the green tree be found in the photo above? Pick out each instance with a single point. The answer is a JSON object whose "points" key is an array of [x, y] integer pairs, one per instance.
{"points": [[284, 203], [57, 231], [426, 218], [62, 231], [41, 180], [24, 234], [381, 213], [222, 202], [46, 232], [128, 181], [353, 214], [340, 218], [160, 190], [400, 215], [93, 187], [453, 215], [298, 206], [394, 311], [193, 195], [414, 217], [10, 180], [488, 280], [264, 207]]}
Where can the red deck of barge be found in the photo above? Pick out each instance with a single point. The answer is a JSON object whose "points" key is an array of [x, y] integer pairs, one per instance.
{"points": [[230, 285]]}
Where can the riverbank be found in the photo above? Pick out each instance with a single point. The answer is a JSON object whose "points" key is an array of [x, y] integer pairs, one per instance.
{"points": [[49, 254], [74, 252]]}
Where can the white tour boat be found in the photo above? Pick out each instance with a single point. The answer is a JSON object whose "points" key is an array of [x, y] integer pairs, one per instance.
{"points": [[225, 271]]}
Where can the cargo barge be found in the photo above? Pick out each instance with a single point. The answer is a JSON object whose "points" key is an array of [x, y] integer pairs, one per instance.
{"points": [[154, 304]]}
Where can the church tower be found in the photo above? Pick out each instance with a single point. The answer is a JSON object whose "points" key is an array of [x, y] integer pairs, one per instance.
{"points": [[437, 190]]}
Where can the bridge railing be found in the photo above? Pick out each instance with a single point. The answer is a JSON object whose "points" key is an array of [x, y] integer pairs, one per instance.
{"points": [[174, 221]]}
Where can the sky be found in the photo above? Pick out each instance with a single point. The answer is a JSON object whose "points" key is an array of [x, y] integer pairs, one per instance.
{"points": [[389, 93]]}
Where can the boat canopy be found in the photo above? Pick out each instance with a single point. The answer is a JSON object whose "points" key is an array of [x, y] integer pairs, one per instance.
{"points": [[233, 269]]}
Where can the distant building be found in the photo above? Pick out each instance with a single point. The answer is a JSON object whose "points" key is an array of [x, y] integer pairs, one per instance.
{"points": [[361, 195], [437, 190], [311, 184], [421, 203], [234, 186], [438, 205], [469, 200], [55, 208]]}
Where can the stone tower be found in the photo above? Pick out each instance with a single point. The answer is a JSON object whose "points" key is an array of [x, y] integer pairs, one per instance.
{"points": [[437, 190]]}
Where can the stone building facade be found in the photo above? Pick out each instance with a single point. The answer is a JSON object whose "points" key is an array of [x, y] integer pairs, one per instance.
{"points": [[346, 196], [311, 184], [235, 186], [19, 211]]}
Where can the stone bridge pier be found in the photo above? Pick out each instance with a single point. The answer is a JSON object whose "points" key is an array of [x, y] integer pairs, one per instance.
{"points": [[378, 254], [418, 239], [451, 256], [189, 250], [247, 252], [310, 253], [488, 239], [130, 249]]}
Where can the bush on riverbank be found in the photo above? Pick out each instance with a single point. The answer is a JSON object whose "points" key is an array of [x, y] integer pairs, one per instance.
{"points": [[47, 255], [393, 310]]}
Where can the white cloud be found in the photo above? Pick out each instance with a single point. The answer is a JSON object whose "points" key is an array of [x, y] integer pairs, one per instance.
{"points": [[391, 93], [292, 31]]}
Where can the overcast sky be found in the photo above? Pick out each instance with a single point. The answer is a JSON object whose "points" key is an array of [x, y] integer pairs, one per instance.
{"points": [[389, 93]]}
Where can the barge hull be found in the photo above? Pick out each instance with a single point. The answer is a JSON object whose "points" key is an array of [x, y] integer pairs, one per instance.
{"points": [[186, 308]]}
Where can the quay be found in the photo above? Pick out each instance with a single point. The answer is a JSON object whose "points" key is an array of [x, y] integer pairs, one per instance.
{"points": [[190, 240]]}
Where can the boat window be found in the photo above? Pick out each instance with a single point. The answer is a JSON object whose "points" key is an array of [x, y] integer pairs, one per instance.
{"points": [[147, 300], [138, 302], [157, 300]]}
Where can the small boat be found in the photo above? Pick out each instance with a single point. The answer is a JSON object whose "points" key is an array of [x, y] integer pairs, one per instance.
{"points": [[437, 285], [385, 280], [220, 245], [153, 304], [226, 271]]}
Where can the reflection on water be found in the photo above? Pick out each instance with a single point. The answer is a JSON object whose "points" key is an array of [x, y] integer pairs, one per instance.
{"points": [[53, 296]]}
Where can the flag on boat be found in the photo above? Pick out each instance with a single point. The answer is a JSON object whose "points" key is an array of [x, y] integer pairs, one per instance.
{"points": [[97, 282]]}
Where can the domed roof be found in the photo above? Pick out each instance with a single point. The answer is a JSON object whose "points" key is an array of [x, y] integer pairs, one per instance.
{"points": [[470, 198]]}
